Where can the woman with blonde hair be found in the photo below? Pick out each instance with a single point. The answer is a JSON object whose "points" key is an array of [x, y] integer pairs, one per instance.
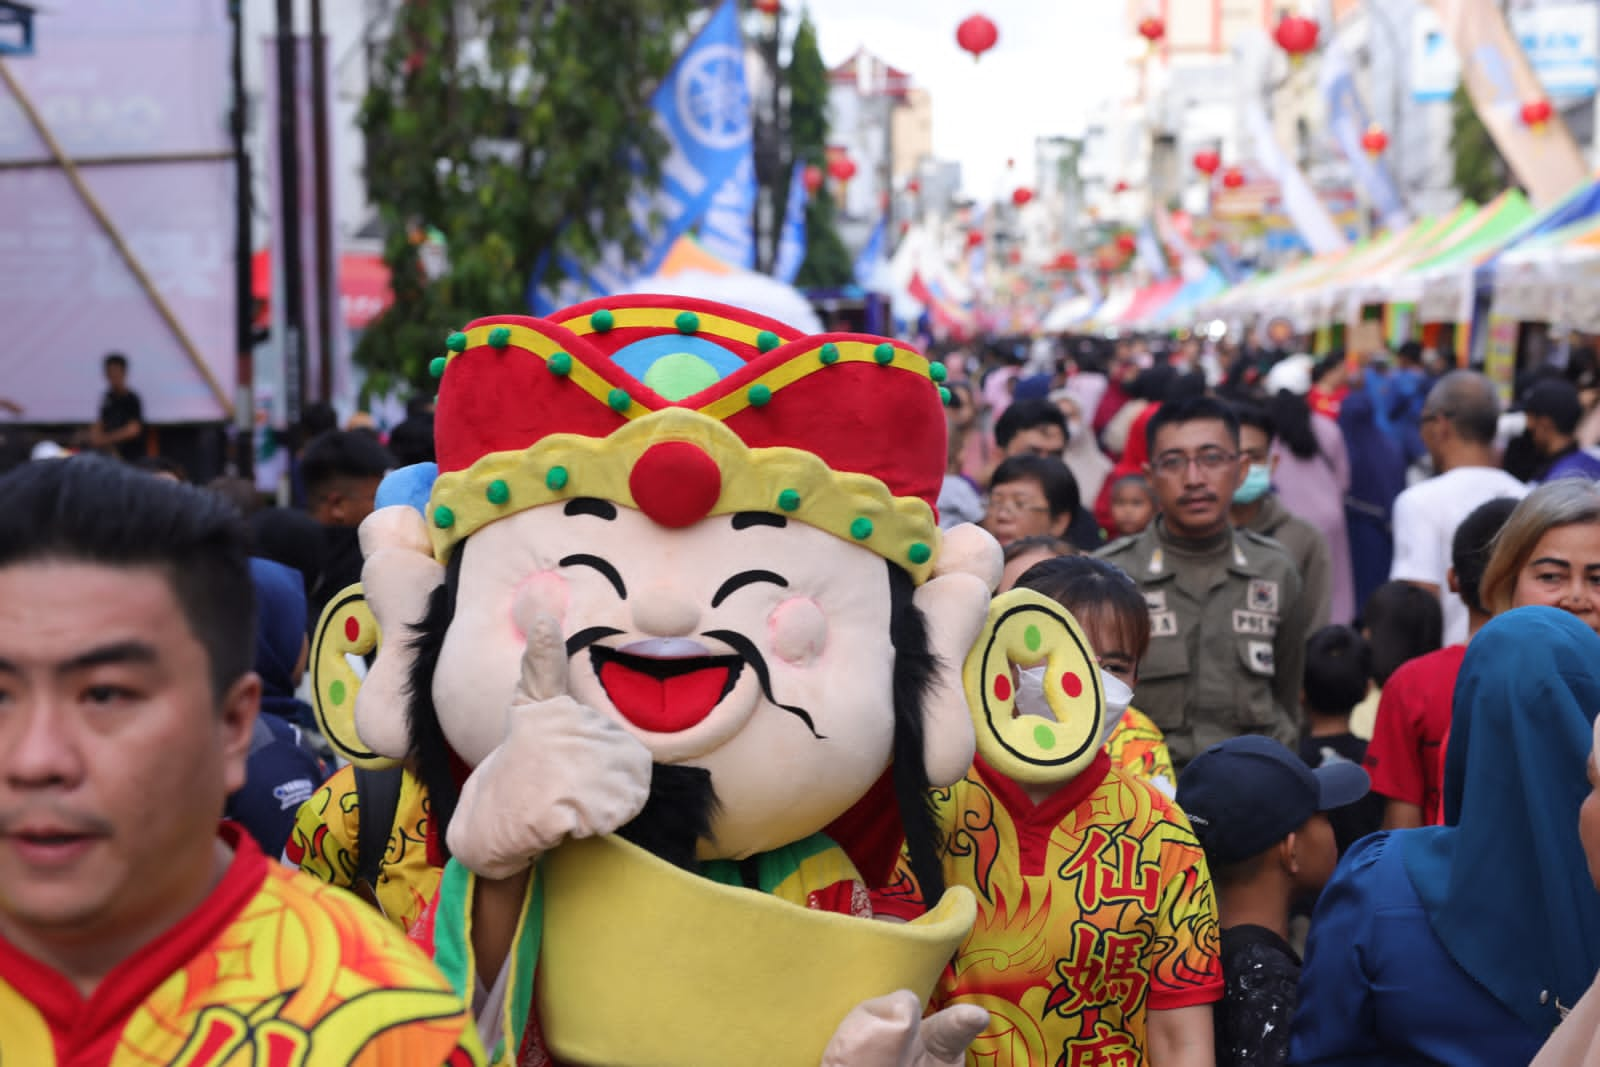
{"points": [[1548, 553]]}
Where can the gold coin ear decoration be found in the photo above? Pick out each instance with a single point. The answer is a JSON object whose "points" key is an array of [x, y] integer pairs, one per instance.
{"points": [[1026, 629], [347, 628]]}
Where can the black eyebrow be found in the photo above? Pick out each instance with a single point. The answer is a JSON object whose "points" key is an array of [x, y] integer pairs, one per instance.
{"points": [[595, 562], [136, 652], [1551, 561], [744, 578], [746, 519], [588, 505]]}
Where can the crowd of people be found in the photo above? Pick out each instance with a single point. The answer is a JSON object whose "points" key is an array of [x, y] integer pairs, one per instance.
{"points": [[1353, 610]]}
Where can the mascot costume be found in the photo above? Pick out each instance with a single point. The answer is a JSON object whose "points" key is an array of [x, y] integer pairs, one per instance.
{"points": [[673, 603]]}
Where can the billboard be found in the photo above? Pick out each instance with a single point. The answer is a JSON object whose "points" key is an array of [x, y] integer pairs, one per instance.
{"points": [[1562, 43], [137, 96]]}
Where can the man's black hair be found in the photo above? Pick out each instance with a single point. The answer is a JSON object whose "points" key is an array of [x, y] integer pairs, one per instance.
{"points": [[91, 510], [115, 359], [1473, 544], [1255, 415], [343, 454], [1027, 415], [1054, 477], [412, 441], [1338, 670], [1190, 409], [682, 805]]}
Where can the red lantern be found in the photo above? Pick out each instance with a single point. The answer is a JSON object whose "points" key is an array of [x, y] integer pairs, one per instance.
{"points": [[977, 34], [1152, 29], [913, 187], [843, 168], [1120, 187], [1232, 178], [767, 7], [1207, 160], [1297, 35], [1021, 195], [1065, 261], [1536, 114], [1375, 140], [812, 178], [974, 238], [1126, 243]]}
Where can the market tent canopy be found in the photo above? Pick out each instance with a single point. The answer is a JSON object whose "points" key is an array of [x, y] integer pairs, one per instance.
{"points": [[1148, 301]]}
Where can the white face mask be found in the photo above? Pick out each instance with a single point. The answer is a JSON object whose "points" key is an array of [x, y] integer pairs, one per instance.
{"points": [[1031, 701]]}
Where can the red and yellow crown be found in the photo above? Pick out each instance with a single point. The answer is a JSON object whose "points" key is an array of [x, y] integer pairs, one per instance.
{"points": [[683, 409]]}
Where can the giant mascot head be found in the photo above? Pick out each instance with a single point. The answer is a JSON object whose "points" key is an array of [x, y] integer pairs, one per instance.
{"points": [[734, 525]]}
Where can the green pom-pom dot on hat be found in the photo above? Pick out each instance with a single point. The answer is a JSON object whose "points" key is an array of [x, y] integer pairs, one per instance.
{"points": [[556, 479], [937, 372], [499, 337], [619, 400], [884, 354], [945, 396], [789, 500], [829, 354], [456, 342], [443, 517], [559, 364], [919, 554], [498, 492], [861, 529], [436, 366], [766, 340], [602, 320], [687, 322], [759, 395]]}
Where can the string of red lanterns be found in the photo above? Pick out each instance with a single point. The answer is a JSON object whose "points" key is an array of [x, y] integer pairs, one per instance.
{"points": [[1207, 161], [842, 168], [1021, 195]]}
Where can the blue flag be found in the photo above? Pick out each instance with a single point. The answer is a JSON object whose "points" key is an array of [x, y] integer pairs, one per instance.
{"points": [[729, 229], [792, 241], [1347, 119], [873, 256], [702, 108]]}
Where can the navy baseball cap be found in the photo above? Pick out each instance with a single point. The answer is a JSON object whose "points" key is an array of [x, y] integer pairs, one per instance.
{"points": [[1248, 793]]}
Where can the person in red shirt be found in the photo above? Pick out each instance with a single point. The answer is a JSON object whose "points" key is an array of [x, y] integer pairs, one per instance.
{"points": [[1405, 756]]}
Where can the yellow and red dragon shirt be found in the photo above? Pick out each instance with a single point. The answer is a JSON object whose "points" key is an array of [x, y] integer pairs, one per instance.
{"points": [[274, 969], [1094, 908]]}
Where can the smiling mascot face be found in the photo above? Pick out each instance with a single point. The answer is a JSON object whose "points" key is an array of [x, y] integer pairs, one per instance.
{"points": [[732, 526]]}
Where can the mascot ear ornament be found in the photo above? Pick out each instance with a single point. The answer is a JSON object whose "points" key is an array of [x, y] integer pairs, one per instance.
{"points": [[667, 634]]}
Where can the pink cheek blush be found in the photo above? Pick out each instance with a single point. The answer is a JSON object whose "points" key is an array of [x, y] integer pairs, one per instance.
{"points": [[799, 631], [544, 593]]}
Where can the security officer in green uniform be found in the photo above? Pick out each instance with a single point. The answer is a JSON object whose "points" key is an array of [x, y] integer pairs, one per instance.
{"points": [[1228, 623]]}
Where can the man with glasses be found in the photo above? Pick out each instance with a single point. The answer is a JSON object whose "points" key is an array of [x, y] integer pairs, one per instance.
{"points": [[1228, 622], [1459, 420]]}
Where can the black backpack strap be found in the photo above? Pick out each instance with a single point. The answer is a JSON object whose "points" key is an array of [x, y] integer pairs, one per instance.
{"points": [[377, 802]]}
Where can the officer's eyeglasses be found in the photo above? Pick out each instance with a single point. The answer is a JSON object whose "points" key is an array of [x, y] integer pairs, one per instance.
{"points": [[1209, 460]]}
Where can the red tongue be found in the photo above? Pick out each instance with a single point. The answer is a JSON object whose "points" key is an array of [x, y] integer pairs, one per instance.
{"points": [[663, 705]]}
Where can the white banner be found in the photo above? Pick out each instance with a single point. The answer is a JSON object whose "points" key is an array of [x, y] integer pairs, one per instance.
{"points": [[113, 80]]}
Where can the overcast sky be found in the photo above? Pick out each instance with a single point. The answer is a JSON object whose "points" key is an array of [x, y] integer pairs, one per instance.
{"points": [[1056, 62]]}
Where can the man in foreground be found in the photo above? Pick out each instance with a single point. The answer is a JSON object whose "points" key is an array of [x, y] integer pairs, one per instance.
{"points": [[131, 930]]}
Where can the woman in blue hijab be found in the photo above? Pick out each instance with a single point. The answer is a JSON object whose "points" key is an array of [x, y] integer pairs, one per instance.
{"points": [[1465, 943]]}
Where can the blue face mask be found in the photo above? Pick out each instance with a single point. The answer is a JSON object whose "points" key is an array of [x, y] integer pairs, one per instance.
{"points": [[1256, 484]]}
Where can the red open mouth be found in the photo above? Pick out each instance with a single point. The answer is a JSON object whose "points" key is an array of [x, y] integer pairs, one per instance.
{"points": [[664, 695]]}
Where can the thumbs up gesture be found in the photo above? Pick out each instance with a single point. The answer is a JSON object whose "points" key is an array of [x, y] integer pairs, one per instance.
{"points": [[562, 770]]}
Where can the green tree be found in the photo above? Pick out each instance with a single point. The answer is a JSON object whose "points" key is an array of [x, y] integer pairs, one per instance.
{"points": [[513, 127], [827, 261], [1479, 172]]}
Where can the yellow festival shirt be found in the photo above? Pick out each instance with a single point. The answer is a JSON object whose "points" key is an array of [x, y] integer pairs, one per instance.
{"points": [[273, 969], [323, 845], [1094, 908], [1138, 746]]}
